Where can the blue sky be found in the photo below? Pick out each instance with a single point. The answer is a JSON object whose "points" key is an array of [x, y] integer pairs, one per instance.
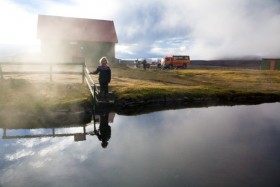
{"points": [[154, 28]]}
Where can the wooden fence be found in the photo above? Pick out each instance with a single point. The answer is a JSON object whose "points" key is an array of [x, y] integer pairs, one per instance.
{"points": [[48, 69], [84, 72]]}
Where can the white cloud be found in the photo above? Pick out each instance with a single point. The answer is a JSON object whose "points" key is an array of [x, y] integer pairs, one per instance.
{"points": [[125, 48], [19, 154], [83, 9], [234, 28]]}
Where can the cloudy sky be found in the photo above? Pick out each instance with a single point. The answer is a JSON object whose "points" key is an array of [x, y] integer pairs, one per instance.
{"points": [[154, 28]]}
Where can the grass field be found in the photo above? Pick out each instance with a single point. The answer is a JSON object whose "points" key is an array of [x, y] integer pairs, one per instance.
{"points": [[130, 84], [29, 95], [136, 83]]}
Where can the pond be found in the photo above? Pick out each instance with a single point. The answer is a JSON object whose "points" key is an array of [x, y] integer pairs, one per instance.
{"points": [[214, 146]]}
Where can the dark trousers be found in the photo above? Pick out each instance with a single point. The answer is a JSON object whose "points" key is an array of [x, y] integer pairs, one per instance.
{"points": [[104, 89]]}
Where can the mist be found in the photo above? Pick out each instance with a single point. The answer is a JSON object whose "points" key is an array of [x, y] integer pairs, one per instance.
{"points": [[209, 29], [203, 29]]}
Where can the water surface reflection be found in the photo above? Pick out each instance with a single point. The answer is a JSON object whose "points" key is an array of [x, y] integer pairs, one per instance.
{"points": [[215, 146]]}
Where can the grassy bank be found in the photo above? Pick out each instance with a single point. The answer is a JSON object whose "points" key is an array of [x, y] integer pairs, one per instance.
{"points": [[137, 84], [29, 95]]}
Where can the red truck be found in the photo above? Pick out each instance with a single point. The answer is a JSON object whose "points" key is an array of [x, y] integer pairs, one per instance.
{"points": [[178, 61]]}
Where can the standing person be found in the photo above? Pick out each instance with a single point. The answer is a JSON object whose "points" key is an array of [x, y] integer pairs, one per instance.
{"points": [[104, 76], [104, 131], [144, 64], [137, 63]]}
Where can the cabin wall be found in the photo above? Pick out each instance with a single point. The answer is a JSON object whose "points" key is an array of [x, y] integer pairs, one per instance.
{"points": [[77, 51]]}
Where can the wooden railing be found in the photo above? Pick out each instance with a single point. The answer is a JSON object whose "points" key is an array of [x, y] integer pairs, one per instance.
{"points": [[89, 81], [50, 70]]}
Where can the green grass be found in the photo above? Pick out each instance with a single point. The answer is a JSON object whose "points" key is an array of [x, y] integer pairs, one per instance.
{"points": [[28, 95], [133, 84]]}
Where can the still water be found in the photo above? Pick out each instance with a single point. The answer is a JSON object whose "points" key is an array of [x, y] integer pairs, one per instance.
{"points": [[214, 146]]}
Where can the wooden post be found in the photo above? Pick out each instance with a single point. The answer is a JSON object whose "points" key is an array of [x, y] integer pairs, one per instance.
{"points": [[83, 73], [4, 133], [50, 72], [2, 77], [94, 90]]}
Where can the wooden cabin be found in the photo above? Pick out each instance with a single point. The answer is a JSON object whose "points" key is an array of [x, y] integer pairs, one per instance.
{"points": [[76, 39]]}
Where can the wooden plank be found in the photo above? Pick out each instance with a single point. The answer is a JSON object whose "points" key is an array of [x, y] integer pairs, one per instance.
{"points": [[83, 75], [50, 73]]}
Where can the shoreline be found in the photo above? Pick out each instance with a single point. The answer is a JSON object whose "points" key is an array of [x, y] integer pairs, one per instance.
{"points": [[165, 103], [79, 114]]}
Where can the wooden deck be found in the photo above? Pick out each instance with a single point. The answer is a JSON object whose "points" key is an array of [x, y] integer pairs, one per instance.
{"points": [[100, 99]]}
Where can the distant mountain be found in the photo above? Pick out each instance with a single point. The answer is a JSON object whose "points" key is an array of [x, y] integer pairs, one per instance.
{"points": [[254, 64]]}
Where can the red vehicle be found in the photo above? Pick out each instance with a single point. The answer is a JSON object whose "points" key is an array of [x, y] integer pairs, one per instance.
{"points": [[179, 61]]}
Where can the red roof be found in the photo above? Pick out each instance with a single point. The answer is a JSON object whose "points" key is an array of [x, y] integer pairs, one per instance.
{"points": [[77, 29]]}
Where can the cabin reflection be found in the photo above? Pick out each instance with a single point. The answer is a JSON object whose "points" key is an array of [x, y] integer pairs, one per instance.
{"points": [[79, 126]]}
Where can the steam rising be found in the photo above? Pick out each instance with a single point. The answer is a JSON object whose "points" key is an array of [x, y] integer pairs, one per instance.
{"points": [[202, 29]]}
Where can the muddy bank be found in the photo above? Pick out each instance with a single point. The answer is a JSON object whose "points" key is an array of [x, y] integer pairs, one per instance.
{"points": [[133, 107]]}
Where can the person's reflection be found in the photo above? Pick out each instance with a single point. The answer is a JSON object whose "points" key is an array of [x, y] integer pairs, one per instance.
{"points": [[104, 131]]}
